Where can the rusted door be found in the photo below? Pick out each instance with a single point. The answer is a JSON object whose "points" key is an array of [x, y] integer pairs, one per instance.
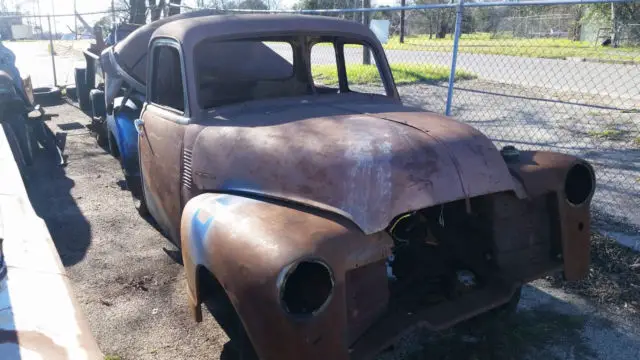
{"points": [[161, 131]]}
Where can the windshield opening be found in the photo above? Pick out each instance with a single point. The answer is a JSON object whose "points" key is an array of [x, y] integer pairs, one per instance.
{"points": [[235, 71]]}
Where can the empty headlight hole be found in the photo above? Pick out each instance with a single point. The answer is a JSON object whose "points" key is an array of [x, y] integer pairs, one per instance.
{"points": [[579, 184], [307, 288]]}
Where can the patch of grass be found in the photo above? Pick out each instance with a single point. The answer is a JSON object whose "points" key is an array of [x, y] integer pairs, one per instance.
{"points": [[637, 141], [485, 43], [112, 357], [402, 73], [608, 134], [532, 332], [614, 276]]}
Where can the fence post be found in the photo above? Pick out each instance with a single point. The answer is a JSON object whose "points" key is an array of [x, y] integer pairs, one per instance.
{"points": [[366, 19], [53, 57], [403, 4], [454, 57]]}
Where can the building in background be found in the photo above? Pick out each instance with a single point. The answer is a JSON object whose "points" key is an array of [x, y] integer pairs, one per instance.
{"points": [[7, 20]]}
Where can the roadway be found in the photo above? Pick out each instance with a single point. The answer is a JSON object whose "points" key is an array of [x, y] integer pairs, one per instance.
{"points": [[613, 80]]}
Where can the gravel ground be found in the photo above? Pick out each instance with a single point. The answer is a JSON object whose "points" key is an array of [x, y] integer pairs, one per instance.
{"points": [[133, 292]]}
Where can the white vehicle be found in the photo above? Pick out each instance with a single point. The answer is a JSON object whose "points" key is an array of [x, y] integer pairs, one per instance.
{"points": [[21, 32]]}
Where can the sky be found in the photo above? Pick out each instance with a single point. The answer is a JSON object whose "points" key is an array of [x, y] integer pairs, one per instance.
{"points": [[48, 7]]}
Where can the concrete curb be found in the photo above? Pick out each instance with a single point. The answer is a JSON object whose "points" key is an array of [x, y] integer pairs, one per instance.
{"points": [[39, 316]]}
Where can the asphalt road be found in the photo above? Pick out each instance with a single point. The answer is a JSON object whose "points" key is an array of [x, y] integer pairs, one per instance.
{"points": [[33, 58], [615, 80], [128, 282]]}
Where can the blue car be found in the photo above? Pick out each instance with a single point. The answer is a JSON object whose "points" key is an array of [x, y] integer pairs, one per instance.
{"points": [[123, 137]]}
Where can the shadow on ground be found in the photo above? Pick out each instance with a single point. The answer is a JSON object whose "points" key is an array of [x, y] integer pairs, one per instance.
{"points": [[544, 327], [49, 190], [531, 331]]}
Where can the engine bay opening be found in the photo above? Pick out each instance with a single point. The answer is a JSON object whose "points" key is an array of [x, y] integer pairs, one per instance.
{"points": [[439, 254]]}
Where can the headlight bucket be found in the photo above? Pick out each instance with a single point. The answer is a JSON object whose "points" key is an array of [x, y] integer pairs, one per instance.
{"points": [[306, 287], [579, 184]]}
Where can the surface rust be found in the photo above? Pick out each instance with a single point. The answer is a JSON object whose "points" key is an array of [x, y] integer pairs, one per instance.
{"points": [[250, 189]]}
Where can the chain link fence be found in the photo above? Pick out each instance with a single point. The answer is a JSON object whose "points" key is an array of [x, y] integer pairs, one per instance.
{"points": [[534, 75]]}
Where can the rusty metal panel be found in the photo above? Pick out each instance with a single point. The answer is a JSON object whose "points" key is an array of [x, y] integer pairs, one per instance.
{"points": [[363, 163], [161, 155], [367, 293], [247, 254], [546, 172]]}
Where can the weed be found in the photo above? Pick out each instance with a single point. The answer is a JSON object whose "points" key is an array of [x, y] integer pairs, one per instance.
{"points": [[608, 134], [613, 277]]}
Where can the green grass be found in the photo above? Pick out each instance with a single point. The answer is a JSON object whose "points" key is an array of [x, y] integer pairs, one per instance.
{"points": [[402, 73], [608, 134], [112, 357], [483, 43]]}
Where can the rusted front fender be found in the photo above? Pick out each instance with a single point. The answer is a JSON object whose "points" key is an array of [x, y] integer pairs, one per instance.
{"points": [[542, 173], [246, 243]]}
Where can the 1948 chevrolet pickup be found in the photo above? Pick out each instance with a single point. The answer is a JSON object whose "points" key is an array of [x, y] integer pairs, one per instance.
{"points": [[330, 215]]}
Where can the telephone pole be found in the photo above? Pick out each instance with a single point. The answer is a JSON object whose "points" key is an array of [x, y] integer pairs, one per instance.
{"points": [[53, 14], [40, 19], [113, 13], [75, 18]]}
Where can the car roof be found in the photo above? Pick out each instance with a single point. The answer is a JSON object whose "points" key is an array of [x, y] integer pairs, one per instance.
{"points": [[191, 31], [193, 27]]}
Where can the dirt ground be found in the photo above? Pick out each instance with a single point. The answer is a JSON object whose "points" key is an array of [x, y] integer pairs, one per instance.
{"points": [[132, 289]]}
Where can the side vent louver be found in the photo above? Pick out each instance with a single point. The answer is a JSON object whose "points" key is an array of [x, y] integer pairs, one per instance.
{"points": [[186, 168]]}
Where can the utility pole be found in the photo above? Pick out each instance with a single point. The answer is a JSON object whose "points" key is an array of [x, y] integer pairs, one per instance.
{"points": [[53, 58], [113, 13], [40, 19], [366, 19], [402, 3], [53, 14], [75, 18]]}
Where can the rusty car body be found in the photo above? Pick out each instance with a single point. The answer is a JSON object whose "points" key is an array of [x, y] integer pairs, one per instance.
{"points": [[335, 219]]}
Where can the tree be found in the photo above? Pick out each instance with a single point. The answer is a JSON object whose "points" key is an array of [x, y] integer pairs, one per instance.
{"points": [[617, 15], [576, 26], [252, 5], [137, 12], [155, 8], [174, 10], [439, 21]]}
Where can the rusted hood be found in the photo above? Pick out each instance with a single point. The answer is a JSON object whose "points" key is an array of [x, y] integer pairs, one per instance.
{"points": [[368, 162]]}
